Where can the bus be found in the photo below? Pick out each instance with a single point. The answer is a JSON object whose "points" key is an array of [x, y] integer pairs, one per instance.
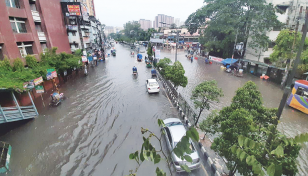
{"points": [[298, 98]]}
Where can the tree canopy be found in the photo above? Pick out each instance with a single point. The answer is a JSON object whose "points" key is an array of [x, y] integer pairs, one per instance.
{"points": [[284, 50], [247, 136], [13, 77], [132, 32], [204, 94], [225, 18]]}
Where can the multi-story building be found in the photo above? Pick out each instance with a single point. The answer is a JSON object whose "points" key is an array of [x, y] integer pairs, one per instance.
{"points": [[27, 27], [145, 24], [162, 20], [109, 30], [294, 10], [177, 22], [84, 31]]}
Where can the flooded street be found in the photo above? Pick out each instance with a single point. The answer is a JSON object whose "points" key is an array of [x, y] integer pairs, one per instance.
{"points": [[96, 128], [292, 122]]}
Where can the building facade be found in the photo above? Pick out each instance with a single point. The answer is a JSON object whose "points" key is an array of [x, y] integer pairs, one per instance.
{"points": [[109, 30], [90, 6], [293, 11], [29, 27], [145, 24], [162, 20]]}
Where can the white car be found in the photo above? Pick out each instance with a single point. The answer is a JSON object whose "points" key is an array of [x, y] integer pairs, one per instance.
{"points": [[152, 86], [174, 131]]}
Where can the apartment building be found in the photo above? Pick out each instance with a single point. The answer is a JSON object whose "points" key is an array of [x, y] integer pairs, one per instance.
{"points": [[30, 26], [162, 20], [145, 24], [294, 11]]}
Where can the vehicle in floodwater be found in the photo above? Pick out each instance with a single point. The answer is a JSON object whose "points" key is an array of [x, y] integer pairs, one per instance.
{"points": [[298, 98]]}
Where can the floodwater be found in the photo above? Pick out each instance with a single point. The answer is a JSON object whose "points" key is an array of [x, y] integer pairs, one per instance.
{"points": [[96, 128], [292, 122]]}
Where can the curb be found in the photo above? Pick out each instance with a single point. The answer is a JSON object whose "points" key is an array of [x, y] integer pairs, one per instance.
{"points": [[209, 160]]}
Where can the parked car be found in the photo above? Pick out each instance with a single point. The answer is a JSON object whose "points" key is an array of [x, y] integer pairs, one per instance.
{"points": [[174, 131], [152, 86]]}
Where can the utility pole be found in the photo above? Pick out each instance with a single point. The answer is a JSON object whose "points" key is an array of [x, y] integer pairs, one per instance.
{"points": [[176, 46], [287, 89], [235, 43]]}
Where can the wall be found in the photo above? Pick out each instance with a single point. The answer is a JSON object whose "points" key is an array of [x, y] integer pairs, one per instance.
{"points": [[54, 23]]}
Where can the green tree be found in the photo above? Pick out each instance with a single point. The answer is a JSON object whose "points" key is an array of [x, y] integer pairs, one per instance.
{"points": [[248, 138], [155, 154], [225, 18], [204, 94], [284, 49], [176, 74], [173, 26], [163, 64], [18, 65], [150, 51]]}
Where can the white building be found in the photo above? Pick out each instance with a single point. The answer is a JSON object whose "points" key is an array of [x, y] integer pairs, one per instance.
{"points": [[145, 24], [177, 22], [292, 10], [109, 30]]}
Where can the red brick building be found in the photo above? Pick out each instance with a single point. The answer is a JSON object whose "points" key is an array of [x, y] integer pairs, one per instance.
{"points": [[30, 26]]}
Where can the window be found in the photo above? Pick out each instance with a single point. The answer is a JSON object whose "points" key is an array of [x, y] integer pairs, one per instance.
{"points": [[277, 28], [38, 28], [44, 47], [33, 7], [302, 92], [1, 52], [271, 44], [18, 25], [12, 3], [25, 48], [169, 135], [74, 33]]}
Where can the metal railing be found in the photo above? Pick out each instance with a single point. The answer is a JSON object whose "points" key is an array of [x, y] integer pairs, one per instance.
{"points": [[186, 108], [10, 114]]}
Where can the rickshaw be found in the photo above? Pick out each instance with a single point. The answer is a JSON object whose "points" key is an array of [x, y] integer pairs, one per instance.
{"points": [[139, 57], [149, 65], [113, 52], [153, 72], [56, 98]]}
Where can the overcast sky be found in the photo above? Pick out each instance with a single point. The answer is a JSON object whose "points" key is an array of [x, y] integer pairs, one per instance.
{"points": [[118, 12]]}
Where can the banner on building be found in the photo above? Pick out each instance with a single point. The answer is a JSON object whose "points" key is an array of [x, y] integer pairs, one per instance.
{"points": [[85, 14], [216, 59], [39, 89], [38, 81], [74, 10]]}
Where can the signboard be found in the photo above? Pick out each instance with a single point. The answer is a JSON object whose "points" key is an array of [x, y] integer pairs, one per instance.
{"points": [[157, 54], [50, 70], [39, 89], [72, 27], [65, 73], [29, 85], [217, 59], [74, 10], [84, 58], [49, 76], [38, 81], [85, 14], [51, 73], [54, 74]]}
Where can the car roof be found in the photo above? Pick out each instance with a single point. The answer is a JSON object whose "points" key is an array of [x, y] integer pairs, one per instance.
{"points": [[171, 120], [177, 132], [152, 80]]}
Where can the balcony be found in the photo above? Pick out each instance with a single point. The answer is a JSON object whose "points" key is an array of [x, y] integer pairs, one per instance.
{"points": [[36, 16], [41, 36]]}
